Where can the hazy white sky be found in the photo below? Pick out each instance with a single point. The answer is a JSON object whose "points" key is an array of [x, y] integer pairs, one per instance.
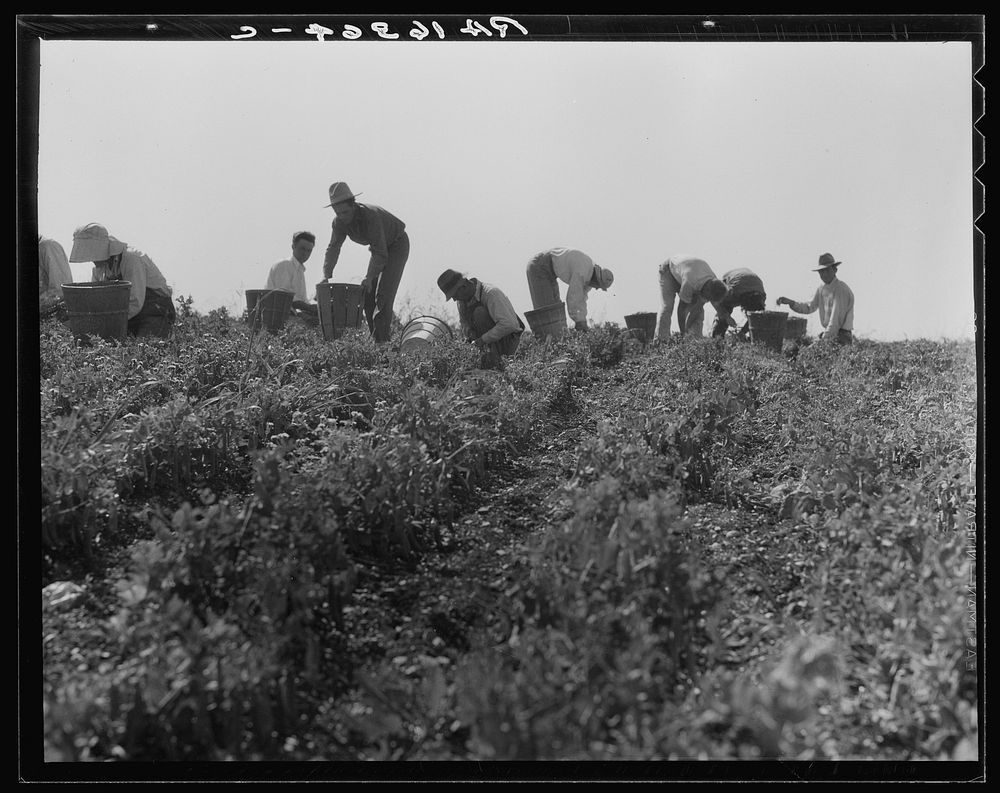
{"points": [[209, 155]]}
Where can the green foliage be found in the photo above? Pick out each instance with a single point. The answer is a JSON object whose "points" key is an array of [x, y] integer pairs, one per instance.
{"points": [[267, 469]]}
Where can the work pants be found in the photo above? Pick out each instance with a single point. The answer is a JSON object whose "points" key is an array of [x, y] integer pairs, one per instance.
{"points": [[155, 318], [379, 299]]}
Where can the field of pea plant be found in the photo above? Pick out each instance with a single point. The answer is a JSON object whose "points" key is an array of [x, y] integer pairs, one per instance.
{"points": [[271, 547]]}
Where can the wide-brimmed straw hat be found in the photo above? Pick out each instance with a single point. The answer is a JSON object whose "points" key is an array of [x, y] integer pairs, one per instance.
{"points": [[826, 260], [449, 281], [339, 191], [92, 243]]}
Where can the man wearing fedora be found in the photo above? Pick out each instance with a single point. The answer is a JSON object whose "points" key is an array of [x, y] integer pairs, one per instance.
{"points": [[386, 238], [572, 267], [150, 307], [744, 290], [487, 317], [691, 282], [835, 302]]}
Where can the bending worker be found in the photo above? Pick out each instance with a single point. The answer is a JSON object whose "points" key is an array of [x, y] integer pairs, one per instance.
{"points": [[487, 317], [572, 267], [692, 281], [386, 238], [835, 302], [150, 308], [744, 290], [53, 272]]}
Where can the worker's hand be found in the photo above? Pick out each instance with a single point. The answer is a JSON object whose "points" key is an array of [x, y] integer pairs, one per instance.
{"points": [[366, 285], [582, 325], [783, 301], [479, 343]]}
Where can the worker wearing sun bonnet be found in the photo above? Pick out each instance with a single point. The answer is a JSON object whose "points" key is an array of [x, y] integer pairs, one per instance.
{"points": [[150, 307], [486, 314], [386, 238], [835, 302], [691, 282], [572, 267]]}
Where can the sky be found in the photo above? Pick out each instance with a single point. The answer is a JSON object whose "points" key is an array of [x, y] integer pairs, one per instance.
{"points": [[209, 155]]}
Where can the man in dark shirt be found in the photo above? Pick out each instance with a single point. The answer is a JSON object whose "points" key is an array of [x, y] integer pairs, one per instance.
{"points": [[386, 238], [745, 290]]}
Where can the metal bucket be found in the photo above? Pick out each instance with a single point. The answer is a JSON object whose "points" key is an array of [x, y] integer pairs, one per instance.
{"points": [[795, 328], [423, 331], [268, 308], [643, 323], [768, 328], [548, 322], [97, 308], [341, 306]]}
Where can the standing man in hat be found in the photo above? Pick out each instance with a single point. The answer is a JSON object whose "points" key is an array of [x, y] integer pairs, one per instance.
{"points": [[692, 281], [835, 302], [572, 267], [386, 238], [150, 308], [744, 290], [289, 275], [53, 272], [488, 319]]}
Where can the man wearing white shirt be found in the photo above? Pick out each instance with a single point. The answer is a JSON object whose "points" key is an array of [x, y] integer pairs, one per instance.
{"points": [[289, 275], [572, 267], [835, 302]]}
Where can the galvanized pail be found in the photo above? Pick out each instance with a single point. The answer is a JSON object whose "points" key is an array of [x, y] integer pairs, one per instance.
{"points": [[644, 323], [97, 308], [341, 306], [421, 332], [548, 322], [268, 308], [768, 328]]}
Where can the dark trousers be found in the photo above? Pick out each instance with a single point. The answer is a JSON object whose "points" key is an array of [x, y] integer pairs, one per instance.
{"points": [[155, 318], [379, 300]]}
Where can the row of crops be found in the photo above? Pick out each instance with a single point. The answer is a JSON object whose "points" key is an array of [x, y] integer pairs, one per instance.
{"points": [[253, 479]]}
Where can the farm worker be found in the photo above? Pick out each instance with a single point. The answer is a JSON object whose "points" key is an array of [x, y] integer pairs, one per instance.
{"points": [[386, 238], [692, 281], [572, 267], [289, 275], [53, 272], [835, 302], [488, 319], [744, 290], [150, 308]]}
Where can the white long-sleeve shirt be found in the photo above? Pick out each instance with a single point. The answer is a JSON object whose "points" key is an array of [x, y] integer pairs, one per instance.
{"points": [[138, 268], [289, 275], [835, 302], [575, 268]]}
